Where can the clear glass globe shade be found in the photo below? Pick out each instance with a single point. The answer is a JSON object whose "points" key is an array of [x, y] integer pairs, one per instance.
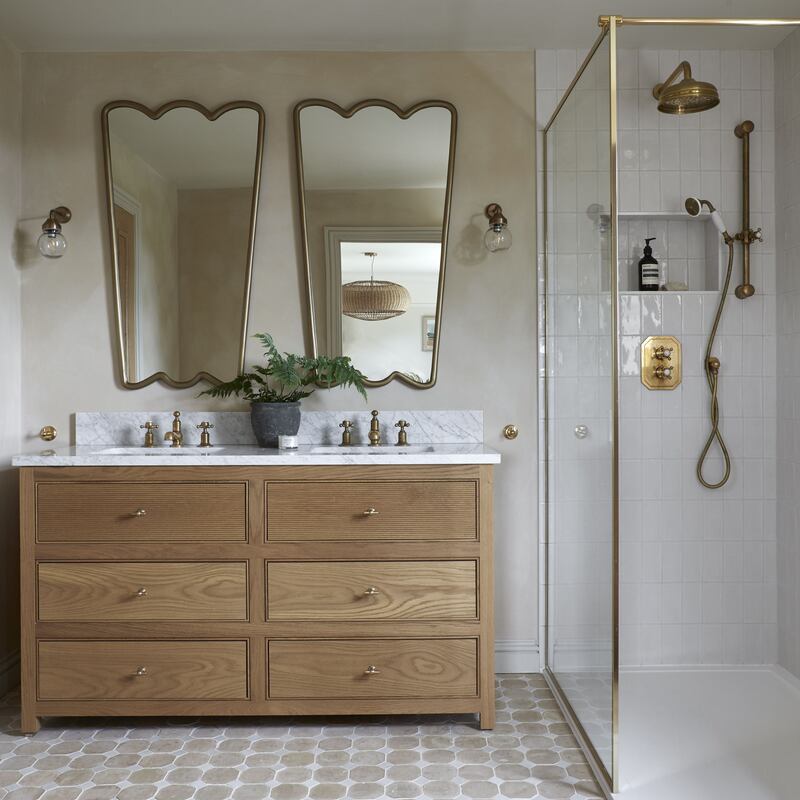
{"points": [[52, 245], [497, 240]]}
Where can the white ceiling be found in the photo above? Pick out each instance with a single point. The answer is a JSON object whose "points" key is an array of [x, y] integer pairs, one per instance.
{"points": [[353, 25], [190, 151], [393, 260], [375, 149]]}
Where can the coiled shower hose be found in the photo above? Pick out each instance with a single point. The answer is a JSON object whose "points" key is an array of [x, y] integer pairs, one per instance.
{"points": [[712, 376]]}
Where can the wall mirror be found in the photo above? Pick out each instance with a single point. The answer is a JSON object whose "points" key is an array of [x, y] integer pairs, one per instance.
{"points": [[182, 184], [375, 183]]}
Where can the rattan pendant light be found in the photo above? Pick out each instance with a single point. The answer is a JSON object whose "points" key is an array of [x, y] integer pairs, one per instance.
{"points": [[374, 300]]}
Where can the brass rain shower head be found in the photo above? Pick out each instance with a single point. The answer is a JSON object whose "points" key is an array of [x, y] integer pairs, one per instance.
{"points": [[687, 96]]}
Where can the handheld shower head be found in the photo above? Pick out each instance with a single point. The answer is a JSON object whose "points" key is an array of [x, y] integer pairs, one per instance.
{"points": [[694, 205]]}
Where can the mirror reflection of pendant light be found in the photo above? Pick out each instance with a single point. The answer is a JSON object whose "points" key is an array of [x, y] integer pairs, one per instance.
{"points": [[374, 300]]}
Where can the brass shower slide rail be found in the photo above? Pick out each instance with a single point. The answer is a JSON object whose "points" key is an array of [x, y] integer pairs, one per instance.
{"points": [[747, 235]]}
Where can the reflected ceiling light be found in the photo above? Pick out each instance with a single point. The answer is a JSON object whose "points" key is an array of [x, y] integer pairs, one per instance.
{"points": [[687, 96], [498, 237], [51, 242], [374, 300]]}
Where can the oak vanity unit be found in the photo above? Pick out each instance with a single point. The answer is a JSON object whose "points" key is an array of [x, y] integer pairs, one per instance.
{"points": [[307, 588]]}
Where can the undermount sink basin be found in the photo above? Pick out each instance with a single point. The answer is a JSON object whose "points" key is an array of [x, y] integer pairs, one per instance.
{"points": [[365, 449], [158, 451]]}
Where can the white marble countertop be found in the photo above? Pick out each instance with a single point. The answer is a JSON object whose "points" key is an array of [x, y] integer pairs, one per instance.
{"points": [[244, 455]]}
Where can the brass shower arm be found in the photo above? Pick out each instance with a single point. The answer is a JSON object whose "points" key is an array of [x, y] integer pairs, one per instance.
{"points": [[684, 66]]}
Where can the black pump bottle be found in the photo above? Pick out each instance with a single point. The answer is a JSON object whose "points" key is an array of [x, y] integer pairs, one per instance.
{"points": [[649, 272]]}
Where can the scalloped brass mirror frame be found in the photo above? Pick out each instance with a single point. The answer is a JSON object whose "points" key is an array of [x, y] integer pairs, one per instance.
{"points": [[210, 115], [402, 114]]}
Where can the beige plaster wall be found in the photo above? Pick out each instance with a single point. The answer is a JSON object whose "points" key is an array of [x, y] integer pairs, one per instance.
{"points": [[213, 226], [488, 344], [10, 347], [157, 260]]}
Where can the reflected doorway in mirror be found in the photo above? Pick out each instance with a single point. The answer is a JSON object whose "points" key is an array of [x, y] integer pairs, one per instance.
{"points": [[428, 333]]}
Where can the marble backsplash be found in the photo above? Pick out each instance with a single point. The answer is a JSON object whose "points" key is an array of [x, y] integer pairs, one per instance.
{"points": [[121, 428]]}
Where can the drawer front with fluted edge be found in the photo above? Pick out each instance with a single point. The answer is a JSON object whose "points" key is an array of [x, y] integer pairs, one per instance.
{"points": [[372, 668], [370, 510], [372, 590], [142, 670], [111, 511], [157, 591]]}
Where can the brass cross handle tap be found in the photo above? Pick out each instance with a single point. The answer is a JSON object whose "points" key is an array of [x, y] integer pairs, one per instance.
{"points": [[346, 436], [663, 353], [665, 373], [205, 437], [149, 427], [402, 436]]}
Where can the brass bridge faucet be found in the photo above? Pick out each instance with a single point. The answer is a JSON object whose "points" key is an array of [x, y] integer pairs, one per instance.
{"points": [[374, 430], [175, 435]]}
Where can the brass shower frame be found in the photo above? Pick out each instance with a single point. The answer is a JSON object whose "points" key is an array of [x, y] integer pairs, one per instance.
{"points": [[609, 24]]}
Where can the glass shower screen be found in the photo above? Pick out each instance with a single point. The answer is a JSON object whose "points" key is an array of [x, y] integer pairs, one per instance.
{"points": [[579, 413]]}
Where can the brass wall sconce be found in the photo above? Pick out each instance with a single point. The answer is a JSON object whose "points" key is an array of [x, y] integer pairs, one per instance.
{"points": [[498, 237], [52, 243]]}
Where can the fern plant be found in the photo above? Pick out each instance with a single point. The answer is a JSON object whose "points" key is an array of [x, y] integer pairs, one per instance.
{"points": [[287, 378]]}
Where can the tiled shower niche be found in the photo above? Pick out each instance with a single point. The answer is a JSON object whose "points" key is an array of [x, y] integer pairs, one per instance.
{"points": [[688, 250]]}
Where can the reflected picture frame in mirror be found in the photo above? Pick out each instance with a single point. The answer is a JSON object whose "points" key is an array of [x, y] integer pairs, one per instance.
{"points": [[128, 381], [313, 296]]}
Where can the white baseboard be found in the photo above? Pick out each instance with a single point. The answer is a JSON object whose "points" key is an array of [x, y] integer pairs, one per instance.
{"points": [[9, 673], [516, 655]]}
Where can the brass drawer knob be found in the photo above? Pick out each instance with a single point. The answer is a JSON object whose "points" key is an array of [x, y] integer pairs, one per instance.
{"points": [[370, 512], [372, 670], [141, 672], [371, 591], [141, 592], [140, 512]]}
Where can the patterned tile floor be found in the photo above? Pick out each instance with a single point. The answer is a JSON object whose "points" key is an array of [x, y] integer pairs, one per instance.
{"points": [[530, 753]]}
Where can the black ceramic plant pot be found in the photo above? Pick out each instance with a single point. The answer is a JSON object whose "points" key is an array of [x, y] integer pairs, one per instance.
{"points": [[271, 420]]}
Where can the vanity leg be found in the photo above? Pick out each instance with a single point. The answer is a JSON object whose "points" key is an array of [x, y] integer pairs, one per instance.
{"points": [[486, 719], [29, 725]]}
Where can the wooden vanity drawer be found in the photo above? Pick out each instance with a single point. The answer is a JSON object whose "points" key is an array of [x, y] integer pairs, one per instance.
{"points": [[102, 591], [334, 510], [173, 670], [340, 669], [112, 511], [372, 590]]}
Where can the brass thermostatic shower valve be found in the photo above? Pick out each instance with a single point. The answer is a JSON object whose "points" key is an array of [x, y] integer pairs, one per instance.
{"points": [[661, 362]]}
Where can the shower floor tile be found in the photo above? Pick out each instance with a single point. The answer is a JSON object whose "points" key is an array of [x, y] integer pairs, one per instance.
{"points": [[528, 754]]}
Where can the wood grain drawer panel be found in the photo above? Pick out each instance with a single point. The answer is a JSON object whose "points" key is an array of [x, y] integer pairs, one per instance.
{"points": [[341, 590], [336, 669], [174, 511], [175, 670], [100, 591], [335, 510]]}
